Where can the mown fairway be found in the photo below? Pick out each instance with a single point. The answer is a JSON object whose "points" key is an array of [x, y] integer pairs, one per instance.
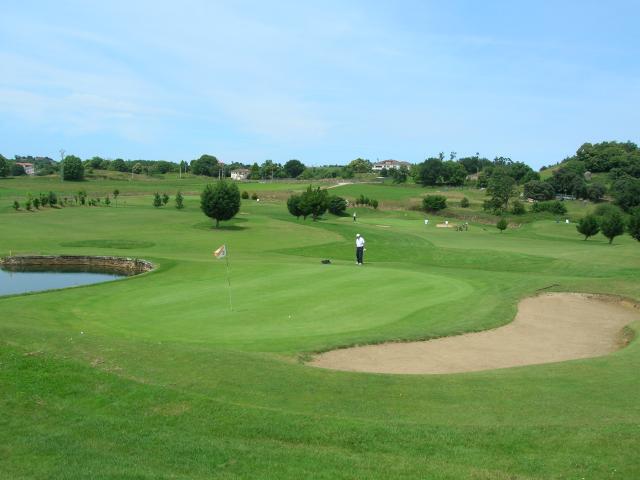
{"points": [[167, 382]]}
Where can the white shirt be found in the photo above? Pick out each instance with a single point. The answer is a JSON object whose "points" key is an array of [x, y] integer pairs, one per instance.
{"points": [[360, 242]]}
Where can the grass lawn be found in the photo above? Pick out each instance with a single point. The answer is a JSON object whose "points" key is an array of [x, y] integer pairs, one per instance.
{"points": [[167, 382]]}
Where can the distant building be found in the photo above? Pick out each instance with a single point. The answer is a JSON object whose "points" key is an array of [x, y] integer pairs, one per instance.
{"points": [[240, 174], [389, 164], [28, 167]]}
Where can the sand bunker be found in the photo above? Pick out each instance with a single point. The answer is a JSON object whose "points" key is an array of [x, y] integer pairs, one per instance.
{"points": [[548, 328]]}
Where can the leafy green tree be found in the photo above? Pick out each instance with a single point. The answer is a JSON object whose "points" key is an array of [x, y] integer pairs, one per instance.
{"points": [[501, 187], [293, 168], [337, 205], [179, 201], [588, 226], [206, 165], [254, 172], [157, 200], [612, 225], [538, 190], [399, 175], [17, 170], [434, 203], [72, 168], [116, 192], [430, 172], [294, 207], [82, 196], [454, 173], [220, 201], [52, 198], [360, 165], [107, 201], [502, 224], [464, 203], [245, 195], [555, 206], [374, 204], [4, 166], [165, 199], [634, 224], [16, 205], [28, 203], [626, 192], [254, 196], [314, 202], [137, 168], [36, 203], [595, 192], [118, 165]]}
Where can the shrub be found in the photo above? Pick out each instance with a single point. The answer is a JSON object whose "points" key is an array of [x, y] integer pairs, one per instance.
{"points": [[555, 206], [36, 203], [502, 224], [294, 207], [518, 208], [165, 199], [245, 195], [52, 199], [157, 200], [16, 205], [337, 205], [254, 196], [464, 203], [179, 201], [588, 226], [374, 204], [434, 203]]}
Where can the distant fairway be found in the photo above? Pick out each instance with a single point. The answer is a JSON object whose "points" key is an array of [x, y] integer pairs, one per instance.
{"points": [[167, 382]]}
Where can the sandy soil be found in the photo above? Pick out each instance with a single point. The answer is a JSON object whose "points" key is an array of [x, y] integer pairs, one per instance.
{"points": [[548, 328]]}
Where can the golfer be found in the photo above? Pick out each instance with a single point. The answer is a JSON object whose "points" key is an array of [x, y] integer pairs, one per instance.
{"points": [[359, 249]]}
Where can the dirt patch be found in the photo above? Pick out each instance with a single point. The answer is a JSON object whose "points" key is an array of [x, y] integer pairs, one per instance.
{"points": [[552, 327]]}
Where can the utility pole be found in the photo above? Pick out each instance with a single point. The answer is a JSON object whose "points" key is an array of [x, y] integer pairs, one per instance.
{"points": [[62, 152]]}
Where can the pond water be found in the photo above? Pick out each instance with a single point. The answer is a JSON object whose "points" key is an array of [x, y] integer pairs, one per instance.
{"points": [[34, 280]]}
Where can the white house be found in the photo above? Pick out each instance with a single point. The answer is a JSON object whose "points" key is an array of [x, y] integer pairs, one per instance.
{"points": [[389, 164], [28, 167], [239, 174]]}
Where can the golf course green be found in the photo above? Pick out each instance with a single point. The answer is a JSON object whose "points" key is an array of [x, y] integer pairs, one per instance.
{"points": [[171, 374]]}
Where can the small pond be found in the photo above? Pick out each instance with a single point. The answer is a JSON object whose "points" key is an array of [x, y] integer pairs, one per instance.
{"points": [[34, 279]]}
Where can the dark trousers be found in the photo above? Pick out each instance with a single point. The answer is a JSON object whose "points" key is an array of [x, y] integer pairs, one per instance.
{"points": [[359, 254]]}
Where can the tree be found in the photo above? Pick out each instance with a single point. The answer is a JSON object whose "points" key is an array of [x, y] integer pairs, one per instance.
{"points": [[179, 201], [4, 166], [501, 187], [337, 205], [464, 203], [245, 195], [314, 202], [626, 192], [72, 168], [28, 203], [538, 190], [157, 200], [137, 168], [293, 168], [434, 203], [118, 165], [502, 224], [588, 226], [294, 207], [430, 172], [206, 165], [165, 199], [220, 201], [16, 205], [634, 224], [254, 172], [360, 165], [107, 201], [116, 192], [374, 204], [17, 170], [52, 199], [82, 196], [612, 225], [36, 203], [595, 192]]}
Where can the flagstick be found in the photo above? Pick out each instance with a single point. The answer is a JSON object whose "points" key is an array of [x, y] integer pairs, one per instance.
{"points": [[226, 257]]}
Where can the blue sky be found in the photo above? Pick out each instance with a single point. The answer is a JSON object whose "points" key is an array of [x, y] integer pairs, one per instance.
{"points": [[324, 82]]}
